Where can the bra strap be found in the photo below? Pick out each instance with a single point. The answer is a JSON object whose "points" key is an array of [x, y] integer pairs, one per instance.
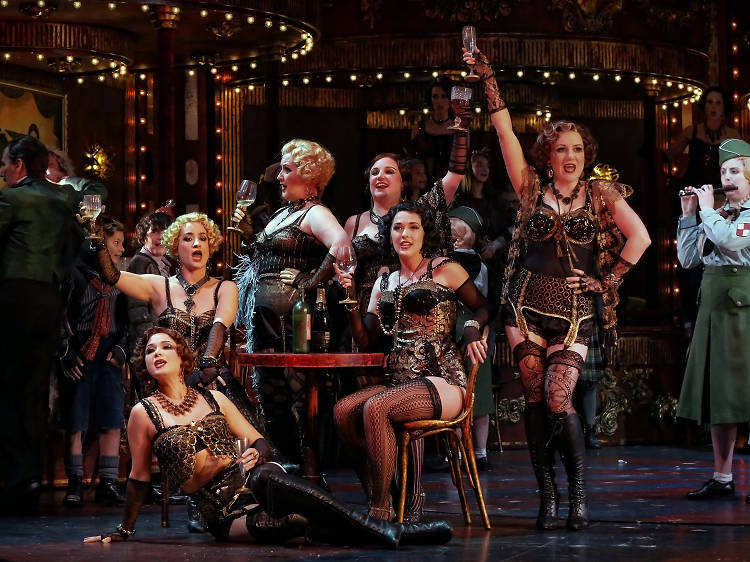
{"points": [[356, 225], [169, 296], [216, 293], [153, 414]]}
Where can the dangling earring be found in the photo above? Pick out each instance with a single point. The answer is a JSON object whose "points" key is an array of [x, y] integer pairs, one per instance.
{"points": [[550, 172]]}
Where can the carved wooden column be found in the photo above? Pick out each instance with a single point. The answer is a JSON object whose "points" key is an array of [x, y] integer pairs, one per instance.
{"points": [[165, 19]]}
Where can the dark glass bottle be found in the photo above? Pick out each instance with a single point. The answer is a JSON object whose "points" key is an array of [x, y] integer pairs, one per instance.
{"points": [[321, 331], [301, 325]]}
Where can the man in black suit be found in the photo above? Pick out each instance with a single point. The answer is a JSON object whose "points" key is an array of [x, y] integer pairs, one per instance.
{"points": [[38, 238]]}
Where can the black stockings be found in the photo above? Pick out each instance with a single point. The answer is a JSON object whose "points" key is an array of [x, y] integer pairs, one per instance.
{"points": [[552, 383]]}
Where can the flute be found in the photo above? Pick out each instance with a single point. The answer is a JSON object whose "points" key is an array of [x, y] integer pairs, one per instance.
{"points": [[683, 193]]}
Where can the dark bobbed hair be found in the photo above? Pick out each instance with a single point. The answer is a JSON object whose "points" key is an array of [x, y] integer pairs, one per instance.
{"points": [[156, 220], [108, 225], [431, 244], [402, 163], [725, 97], [183, 351], [443, 82], [33, 153], [540, 151]]}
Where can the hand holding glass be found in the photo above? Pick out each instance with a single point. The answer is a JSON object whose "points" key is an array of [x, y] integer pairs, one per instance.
{"points": [[460, 103], [346, 260], [90, 208], [246, 195], [469, 39], [241, 445]]}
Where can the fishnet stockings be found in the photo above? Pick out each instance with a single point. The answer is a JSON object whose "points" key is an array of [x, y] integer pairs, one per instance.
{"points": [[529, 357], [409, 401], [563, 368]]}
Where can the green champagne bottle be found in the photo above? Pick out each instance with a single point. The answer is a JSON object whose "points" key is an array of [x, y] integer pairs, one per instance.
{"points": [[301, 325]]}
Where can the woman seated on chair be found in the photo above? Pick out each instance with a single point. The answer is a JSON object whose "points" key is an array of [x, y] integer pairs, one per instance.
{"points": [[193, 434], [416, 306]]}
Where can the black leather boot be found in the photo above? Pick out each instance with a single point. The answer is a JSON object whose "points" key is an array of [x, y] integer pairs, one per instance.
{"points": [[275, 530], [572, 449], [431, 532], [108, 492], [196, 521], [74, 494], [538, 435]]}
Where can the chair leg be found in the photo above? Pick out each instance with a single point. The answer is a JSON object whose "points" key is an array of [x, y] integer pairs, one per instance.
{"points": [[164, 499], [456, 446], [405, 437], [474, 475]]}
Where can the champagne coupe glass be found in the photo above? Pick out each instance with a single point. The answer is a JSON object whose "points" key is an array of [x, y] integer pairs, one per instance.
{"points": [[91, 206], [246, 195], [469, 38], [346, 259], [460, 102], [241, 445]]}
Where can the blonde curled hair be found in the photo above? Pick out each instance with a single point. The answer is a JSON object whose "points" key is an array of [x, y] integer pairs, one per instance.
{"points": [[315, 164], [170, 237]]}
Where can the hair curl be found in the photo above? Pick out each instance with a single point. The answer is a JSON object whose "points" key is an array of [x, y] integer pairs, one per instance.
{"points": [[156, 220], [315, 164], [540, 151], [431, 241], [171, 236], [187, 357], [401, 163], [108, 225], [725, 98]]}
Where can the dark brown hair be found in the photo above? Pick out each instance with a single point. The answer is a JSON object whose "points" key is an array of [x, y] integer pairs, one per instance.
{"points": [[401, 164], [540, 152], [187, 357], [431, 242]]}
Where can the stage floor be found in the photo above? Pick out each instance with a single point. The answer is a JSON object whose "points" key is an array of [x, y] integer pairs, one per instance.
{"points": [[637, 508]]}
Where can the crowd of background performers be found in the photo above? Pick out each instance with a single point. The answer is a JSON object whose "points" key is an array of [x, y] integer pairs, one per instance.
{"points": [[437, 263]]}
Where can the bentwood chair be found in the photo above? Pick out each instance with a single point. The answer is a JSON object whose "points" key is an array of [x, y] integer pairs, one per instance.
{"points": [[458, 447]]}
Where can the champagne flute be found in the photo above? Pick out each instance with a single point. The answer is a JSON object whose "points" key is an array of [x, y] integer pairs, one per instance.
{"points": [[90, 208], [469, 39], [346, 259], [246, 195], [242, 444], [460, 103]]}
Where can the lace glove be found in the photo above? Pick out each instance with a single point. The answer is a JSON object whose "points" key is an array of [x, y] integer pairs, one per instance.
{"points": [[470, 296], [209, 362], [460, 147], [265, 451], [324, 273], [104, 264], [247, 232], [482, 67], [612, 280], [135, 496]]}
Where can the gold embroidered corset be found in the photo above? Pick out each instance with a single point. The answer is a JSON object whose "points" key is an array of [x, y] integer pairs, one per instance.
{"points": [[424, 339], [176, 446]]}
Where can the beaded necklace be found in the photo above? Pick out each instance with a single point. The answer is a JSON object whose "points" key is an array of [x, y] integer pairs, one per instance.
{"points": [[566, 200], [294, 206], [187, 403], [190, 290]]}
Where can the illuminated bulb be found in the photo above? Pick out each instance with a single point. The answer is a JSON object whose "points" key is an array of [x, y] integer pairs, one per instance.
{"points": [[477, 109], [79, 80], [253, 65], [282, 27], [250, 19], [268, 23], [676, 104], [283, 58], [547, 115], [235, 68], [218, 212], [40, 3], [100, 78], [191, 72], [218, 156], [218, 103], [142, 120], [305, 80], [736, 120], [123, 69], [213, 70], [572, 75], [143, 148], [681, 86], [251, 87], [734, 25], [295, 56], [237, 90], [111, 5], [539, 112], [379, 76], [229, 16], [674, 120], [144, 8], [463, 74], [4, 3], [546, 74], [519, 73], [204, 13], [142, 76], [218, 130], [352, 77], [175, 9], [40, 57], [303, 51], [285, 82], [637, 79], [734, 49], [654, 81], [618, 77], [142, 92], [407, 75], [329, 79], [112, 64], [143, 205], [664, 106], [218, 184], [403, 111], [668, 83], [595, 77], [735, 72], [434, 74], [6, 56], [736, 96]]}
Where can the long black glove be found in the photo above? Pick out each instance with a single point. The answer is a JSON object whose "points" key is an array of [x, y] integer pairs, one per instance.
{"points": [[460, 148], [265, 451], [105, 266], [209, 361], [472, 298], [324, 273], [135, 496], [482, 67]]}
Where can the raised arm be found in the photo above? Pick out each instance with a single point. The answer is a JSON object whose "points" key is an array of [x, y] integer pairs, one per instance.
{"points": [[515, 163], [142, 287]]}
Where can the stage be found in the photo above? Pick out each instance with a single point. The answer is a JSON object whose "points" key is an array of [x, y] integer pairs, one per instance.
{"points": [[636, 501]]}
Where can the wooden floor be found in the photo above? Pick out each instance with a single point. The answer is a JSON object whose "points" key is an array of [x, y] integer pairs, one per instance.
{"points": [[637, 508]]}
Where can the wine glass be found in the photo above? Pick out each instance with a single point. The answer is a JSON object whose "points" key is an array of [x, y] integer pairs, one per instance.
{"points": [[469, 39], [460, 102], [242, 444], [90, 208], [246, 195], [346, 259]]}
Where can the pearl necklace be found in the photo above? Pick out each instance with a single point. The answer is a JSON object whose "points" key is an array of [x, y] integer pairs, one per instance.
{"points": [[397, 297]]}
